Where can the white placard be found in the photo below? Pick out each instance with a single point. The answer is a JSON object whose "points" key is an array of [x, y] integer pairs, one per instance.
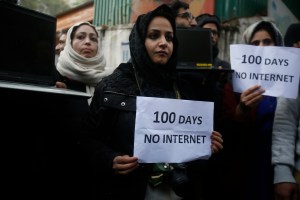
{"points": [[276, 69], [172, 130]]}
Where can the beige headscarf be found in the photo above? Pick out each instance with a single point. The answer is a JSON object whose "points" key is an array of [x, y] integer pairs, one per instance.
{"points": [[248, 33], [76, 67]]}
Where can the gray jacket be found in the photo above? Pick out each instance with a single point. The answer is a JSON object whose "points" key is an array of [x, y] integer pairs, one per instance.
{"points": [[286, 139]]}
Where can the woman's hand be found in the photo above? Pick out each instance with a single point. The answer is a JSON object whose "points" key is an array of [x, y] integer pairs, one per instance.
{"points": [[252, 96], [249, 99], [286, 191], [125, 164], [59, 84], [216, 142]]}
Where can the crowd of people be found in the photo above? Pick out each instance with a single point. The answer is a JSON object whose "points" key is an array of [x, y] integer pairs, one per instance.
{"points": [[267, 167]]}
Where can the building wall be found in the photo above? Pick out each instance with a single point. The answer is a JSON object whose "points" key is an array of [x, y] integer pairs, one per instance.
{"points": [[115, 12], [84, 12], [115, 18], [112, 12], [230, 9], [115, 44]]}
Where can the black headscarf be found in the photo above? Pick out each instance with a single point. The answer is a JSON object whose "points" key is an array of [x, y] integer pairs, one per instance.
{"points": [[162, 75]]}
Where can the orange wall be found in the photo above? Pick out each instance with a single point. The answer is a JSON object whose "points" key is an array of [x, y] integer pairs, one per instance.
{"points": [[80, 14]]}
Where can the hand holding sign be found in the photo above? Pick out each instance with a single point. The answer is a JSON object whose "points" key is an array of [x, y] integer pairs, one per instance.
{"points": [[173, 130], [252, 96], [125, 164], [216, 142], [275, 69]]}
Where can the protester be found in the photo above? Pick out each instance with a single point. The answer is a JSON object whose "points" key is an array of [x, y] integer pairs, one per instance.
{"points": [[151, 73], [61, 42], [183, 15], [286, 149], [258, 111], [212, 22], [261, 33], [222, 79], [81, 65], [286, 136], [292, 36], [201, 78], [216, 175]]}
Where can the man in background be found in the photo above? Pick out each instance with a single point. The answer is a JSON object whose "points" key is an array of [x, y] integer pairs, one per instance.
{"points": [[292, 36], [62, 36], [183, 15], [61, 42], [212, 22], [205, 85]]}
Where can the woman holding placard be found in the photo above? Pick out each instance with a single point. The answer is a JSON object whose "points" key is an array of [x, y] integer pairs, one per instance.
{"points": [[258, 111], [151, 73]]}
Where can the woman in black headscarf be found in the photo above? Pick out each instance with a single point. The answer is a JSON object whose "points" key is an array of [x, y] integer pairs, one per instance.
{"points": [[151, 73]]}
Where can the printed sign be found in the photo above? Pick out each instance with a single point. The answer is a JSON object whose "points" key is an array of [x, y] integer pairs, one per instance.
{"points": [[172, 130], [276, 69]]}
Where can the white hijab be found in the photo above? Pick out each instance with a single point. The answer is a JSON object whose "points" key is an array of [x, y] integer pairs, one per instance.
{"points": [[248, 33], [76, 67]]}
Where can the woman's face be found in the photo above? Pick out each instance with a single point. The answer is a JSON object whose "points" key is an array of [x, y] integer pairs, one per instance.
{"points": [[262, 38], [85, 41], [159, 40]]}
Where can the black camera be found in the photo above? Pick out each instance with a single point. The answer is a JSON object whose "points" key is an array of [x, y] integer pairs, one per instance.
{"points": [[179, 180]]}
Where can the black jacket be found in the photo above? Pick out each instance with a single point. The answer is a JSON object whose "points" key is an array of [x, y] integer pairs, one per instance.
{"points": [[113, 114]]}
